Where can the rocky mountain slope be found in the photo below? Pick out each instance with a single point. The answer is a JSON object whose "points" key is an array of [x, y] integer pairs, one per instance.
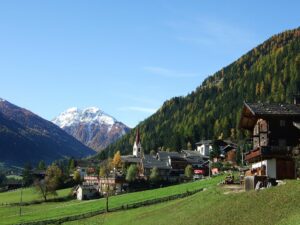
{"points": [[91, 126], [28, 138]]}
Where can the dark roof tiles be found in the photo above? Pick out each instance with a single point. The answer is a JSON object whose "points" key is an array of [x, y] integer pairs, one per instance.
{"points": [[276, 109], [151, 162]]}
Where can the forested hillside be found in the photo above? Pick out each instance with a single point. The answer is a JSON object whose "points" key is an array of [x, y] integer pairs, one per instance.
{"points": [[269, 72]]}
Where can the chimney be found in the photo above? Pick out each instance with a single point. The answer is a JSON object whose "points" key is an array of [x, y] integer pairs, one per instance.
{"points": [[297, 99]]}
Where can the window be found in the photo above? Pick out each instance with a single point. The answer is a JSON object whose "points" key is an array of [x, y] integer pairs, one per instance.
{"points": [[282, 123]]}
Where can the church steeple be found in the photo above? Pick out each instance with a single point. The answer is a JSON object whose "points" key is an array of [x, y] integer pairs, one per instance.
{"points": [[137, 138], [137, 147]]}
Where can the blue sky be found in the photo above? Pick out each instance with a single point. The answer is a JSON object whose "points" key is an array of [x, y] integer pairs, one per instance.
{"points": [[125, 57]]}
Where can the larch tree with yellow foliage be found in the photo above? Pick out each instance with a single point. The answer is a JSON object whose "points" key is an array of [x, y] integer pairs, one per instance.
{"points": [[117, 160]]}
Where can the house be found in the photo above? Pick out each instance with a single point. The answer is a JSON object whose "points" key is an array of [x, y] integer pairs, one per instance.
{"points": [[115, 184], [229, 153], [149, 162], [127, 160], [204, 147], [177, 163], [86, 192], [194, 158], [91, 180], [228, 150], [198, 161], [82, 171], [273, 127], [13, 184]]}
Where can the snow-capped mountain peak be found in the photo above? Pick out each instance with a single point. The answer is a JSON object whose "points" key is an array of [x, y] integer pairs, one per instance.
{"points": [[91, 126], [74, 116]]}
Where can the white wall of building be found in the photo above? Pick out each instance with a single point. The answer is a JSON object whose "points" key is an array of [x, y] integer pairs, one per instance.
{"points": [[270, 167], [204, 149], [137, 149], [79, 194]]}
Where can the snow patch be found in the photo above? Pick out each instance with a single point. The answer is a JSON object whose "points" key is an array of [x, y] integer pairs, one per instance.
{"points": [[91, 125], [90, 115]]}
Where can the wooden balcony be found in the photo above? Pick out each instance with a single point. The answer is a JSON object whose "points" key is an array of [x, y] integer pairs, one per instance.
{"points": [[262, 153], [253, 155]]}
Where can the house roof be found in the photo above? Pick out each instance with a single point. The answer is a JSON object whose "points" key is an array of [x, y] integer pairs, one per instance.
{"points": [[224, 143], [205, 142], [194, 156], [164, 156], [253, 111], [86, 187], [227, 148], [278, 109], [151, 162], [191, 153], [130, 159]]}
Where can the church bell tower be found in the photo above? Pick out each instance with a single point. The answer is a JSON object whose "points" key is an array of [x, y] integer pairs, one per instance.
{"points": [[137, 147]]}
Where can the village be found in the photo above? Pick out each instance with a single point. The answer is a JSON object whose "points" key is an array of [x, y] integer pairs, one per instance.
{"points": [[150, 112], [274, 131]]}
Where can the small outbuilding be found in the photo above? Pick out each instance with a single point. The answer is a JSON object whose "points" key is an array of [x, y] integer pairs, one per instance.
{"points": [[86, 192]]}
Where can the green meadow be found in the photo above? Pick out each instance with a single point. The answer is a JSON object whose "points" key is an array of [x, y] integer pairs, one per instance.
{"points": [[28, 195], [275, 206], [53, 210]]}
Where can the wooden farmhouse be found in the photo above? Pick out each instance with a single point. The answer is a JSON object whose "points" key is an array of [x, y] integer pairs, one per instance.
{"points": [[275, 132], [113, 184]]}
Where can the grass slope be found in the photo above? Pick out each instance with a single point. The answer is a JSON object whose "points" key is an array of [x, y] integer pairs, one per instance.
{"points": [[29, 194], [275, 206], [52, 210]]}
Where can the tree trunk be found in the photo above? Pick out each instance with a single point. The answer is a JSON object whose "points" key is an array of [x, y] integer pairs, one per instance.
{"points": [[107, 201]]}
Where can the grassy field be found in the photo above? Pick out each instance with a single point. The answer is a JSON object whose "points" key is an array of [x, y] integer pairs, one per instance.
{"points": [[29, 194], [275, 206], [51, 210]]}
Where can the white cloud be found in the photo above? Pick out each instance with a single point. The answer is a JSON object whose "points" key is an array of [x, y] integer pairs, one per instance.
{"points": [[168, 73], [138, 109]]}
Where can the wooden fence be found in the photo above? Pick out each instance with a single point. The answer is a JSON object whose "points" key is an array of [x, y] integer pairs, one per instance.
{"points": [[122, 207]]}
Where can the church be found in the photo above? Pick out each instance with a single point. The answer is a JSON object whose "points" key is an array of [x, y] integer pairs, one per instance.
{"points": [[137, 147]]}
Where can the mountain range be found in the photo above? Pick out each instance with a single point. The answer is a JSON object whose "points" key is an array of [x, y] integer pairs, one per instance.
{"points": [[28, 138], [91, 126], [269, 72]]}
